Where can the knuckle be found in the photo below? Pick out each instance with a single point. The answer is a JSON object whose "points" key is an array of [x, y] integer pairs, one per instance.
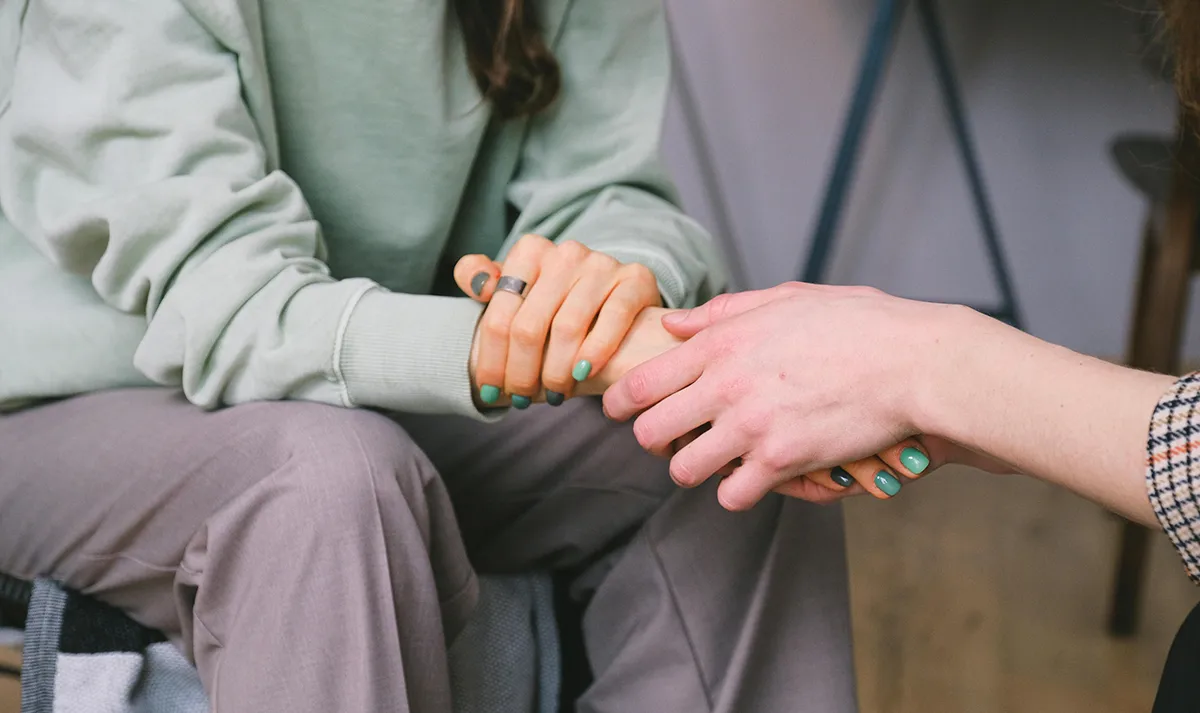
{"points": [[529, 244], [622, 309], [495, 328], [720, 307], [527, 333], [572, 250], [569, 325], [639, 273], [637, 386], [777, 457], [753, 424], [599, 260], [732, 390]]}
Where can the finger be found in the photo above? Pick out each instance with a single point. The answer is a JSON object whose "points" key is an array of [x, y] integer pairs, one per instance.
{"points": [[654, 380], [476, 276], [709, 454], [907, 458], [524, 263], [749, 484], [686, 323], [573, 321], [835, 479], [875, 477], [616, 317], [531, 325], [676, 415], [680, 443], [805, 488]]}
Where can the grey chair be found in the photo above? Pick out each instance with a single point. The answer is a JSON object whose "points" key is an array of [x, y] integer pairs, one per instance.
{"points": [[510, 658]]}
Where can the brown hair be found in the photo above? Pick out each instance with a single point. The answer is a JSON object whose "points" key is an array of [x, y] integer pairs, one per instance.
{"points": [[508, 55], [1182, 25]]}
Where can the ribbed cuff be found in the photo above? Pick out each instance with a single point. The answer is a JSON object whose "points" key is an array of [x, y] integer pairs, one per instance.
{"points": [[411, 353]]}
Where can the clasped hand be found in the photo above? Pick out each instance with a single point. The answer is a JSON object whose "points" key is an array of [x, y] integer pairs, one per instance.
{"points": [[725, 402], [577, 308]]}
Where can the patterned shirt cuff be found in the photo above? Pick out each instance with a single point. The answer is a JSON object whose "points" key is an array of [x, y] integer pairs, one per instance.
{"points": [[1173, 468]]}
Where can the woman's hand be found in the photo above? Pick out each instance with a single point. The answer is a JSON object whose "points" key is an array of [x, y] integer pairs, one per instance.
{"points": [[577, 308], [880, 475], [803, 378], [904, 463]]}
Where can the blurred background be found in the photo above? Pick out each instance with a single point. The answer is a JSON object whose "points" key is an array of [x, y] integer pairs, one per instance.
{"points": [[970, 592]]}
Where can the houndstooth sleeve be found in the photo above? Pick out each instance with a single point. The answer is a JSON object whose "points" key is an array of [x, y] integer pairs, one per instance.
{"points": [[1173, 468]]}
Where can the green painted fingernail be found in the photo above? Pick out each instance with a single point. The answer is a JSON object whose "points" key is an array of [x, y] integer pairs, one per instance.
{"points": [[841, 477], [914, 460], [554, 398], [887, 483], [582, 370], [520, 402], [478, 282], [489, 394]]}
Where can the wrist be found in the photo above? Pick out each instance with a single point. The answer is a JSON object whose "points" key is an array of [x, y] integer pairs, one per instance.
{"points": [[947, 368]]}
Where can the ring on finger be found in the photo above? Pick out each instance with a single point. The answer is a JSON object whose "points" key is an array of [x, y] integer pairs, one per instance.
{"points": [[512, 285]]}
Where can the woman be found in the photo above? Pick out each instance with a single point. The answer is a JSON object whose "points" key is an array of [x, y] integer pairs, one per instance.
{"points": [[228, 237]]}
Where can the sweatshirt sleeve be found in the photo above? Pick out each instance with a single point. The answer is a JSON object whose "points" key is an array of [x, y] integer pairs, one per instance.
{"points": [[590, 168], [1173, 469], [128, 153]]}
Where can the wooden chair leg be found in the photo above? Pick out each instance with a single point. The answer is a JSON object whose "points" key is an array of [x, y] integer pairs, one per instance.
{"points": [[1127, 586]]}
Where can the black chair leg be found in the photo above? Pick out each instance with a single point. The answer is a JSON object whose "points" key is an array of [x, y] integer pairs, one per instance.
{"points": [[1127, 587]]}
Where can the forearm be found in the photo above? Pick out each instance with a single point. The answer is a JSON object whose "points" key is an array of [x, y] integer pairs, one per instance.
{"points": [[1069, 419]]}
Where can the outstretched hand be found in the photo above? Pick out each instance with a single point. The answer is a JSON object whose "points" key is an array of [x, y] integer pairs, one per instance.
{"points": [[793, 381]]}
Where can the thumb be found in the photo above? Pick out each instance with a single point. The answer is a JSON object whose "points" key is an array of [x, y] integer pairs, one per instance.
{"points": [[476, 275], [685, 324]]}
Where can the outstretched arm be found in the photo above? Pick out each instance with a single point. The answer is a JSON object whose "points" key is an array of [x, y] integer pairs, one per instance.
{"points": [[802, 377]]}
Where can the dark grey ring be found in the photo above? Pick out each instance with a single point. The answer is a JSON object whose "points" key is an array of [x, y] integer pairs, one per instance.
{"points": [[515, 285]]}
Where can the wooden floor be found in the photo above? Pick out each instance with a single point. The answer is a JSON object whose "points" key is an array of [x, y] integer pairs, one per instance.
{"points": [[10, 692], [974, 593], [982, 594]]}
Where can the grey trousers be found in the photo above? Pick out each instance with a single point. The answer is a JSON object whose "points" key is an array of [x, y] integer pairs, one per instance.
{"points": [[310, 558]]}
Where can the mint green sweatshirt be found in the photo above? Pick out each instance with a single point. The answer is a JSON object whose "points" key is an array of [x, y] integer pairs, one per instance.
{"points": [[262, 200]]}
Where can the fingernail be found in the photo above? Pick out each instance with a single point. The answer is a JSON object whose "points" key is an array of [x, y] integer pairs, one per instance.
{"points": [[841, 477], [582, 370], [887, 483], [675, 317], [914, 460], [478, 282], [520, 402], [554, 398], [489, 394]]}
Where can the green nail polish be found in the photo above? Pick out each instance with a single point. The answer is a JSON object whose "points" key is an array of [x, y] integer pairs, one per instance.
{"points": [[489, 394], [914, 460], [582, 370], [887, 483], [554, 398], [520, 402], [841, 477], [478, 282]]}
